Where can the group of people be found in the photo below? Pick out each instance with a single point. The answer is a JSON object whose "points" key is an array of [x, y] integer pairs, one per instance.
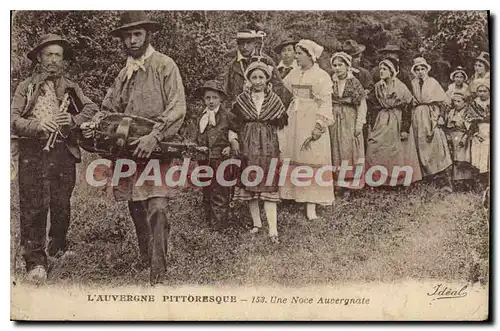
{"points": [[350, 117], [261, 112]]}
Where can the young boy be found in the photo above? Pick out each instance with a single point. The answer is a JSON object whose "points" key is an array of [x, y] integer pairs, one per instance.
{"points": [[216, 130], [286, 50]]}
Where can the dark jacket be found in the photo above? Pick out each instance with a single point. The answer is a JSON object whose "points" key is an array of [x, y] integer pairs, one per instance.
{"points": [[216, 137], [24, 124], [364, 77], [234, 80]]}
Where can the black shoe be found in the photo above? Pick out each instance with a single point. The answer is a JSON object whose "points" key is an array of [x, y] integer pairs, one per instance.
{"points": [[56, 248], [222, 227]]}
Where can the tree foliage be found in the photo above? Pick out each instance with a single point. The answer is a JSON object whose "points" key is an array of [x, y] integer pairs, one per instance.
{"points": [[457, 36], [200, 42]]}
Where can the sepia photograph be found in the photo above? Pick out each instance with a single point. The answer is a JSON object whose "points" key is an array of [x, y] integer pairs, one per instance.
{"points": [[250, 165]]}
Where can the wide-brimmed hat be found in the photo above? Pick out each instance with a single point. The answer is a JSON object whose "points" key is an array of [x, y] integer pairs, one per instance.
{"points": [[485, 58], [252, 30], [390, 47], [420, 61], [135, 18], [459, 70], [246, 34], [266, 68], [287, 41], [51, 39], [211, 85], [352, 48]]}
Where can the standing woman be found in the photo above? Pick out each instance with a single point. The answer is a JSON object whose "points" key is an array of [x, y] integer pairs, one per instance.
{"points": [[305, 139], [349, 116], [390, 141], [481, 71], [260, 113], [478, 115], [459, 141], [427, 122]]}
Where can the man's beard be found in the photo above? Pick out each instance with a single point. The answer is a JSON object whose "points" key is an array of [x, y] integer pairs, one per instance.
{"points": [[137, 53], [53, 71]]}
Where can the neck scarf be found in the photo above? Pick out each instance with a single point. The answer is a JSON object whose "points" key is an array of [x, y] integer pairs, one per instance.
{"points": [[258, 100], [208, 117], [352, 89], [272, 107], [134, 65], [478, 111], [384, 86]]}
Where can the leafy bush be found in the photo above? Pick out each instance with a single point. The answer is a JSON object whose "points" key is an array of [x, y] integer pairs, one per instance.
{"points": [[200, 42]]}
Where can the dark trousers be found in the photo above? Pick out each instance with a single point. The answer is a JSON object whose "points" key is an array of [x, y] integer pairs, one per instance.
{"points": [[216, 198], [152, 229], [46, 182]]}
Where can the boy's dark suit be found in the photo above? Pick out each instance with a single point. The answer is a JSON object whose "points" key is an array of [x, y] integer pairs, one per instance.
{"points": [[216, 196]]}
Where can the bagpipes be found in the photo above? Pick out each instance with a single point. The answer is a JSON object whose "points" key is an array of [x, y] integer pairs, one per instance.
{"points": [[54, 135], [71, 104], [114, 133]]}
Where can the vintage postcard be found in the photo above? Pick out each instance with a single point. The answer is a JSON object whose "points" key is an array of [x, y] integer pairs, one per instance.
{"points": [[250, 165]]}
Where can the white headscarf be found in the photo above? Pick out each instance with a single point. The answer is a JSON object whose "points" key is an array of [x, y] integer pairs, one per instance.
{"points": [[344, 56], [420, 61], [312, 48], [391, 66]]}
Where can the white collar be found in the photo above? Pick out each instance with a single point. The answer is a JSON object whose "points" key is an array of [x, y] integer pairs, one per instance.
{"points": [[293, 65], [149, 51], [482, 103], [206, 110], [485, 76]]}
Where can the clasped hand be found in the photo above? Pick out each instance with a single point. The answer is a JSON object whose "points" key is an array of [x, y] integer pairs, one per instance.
{"points": [[88, 129], [315, 135], [235, 148], [54, 124]]}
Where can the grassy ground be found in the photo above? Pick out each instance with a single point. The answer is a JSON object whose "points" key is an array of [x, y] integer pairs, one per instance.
{"points": [[418, 233]]}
